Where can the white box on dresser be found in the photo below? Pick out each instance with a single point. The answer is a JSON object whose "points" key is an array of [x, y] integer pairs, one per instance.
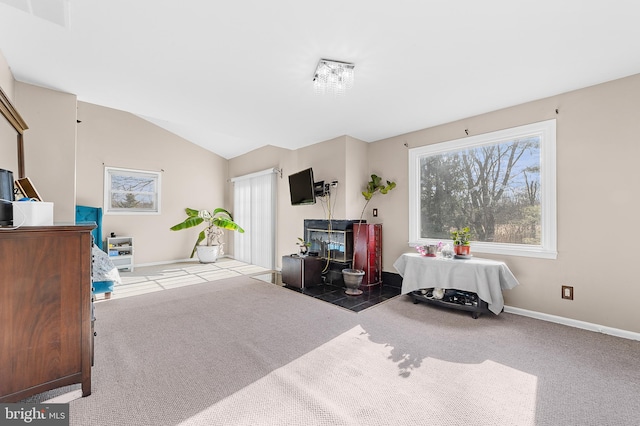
{"points": [[32, 213]]}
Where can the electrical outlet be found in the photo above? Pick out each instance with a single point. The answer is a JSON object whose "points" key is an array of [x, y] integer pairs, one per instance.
{"points": [[567, 292]]}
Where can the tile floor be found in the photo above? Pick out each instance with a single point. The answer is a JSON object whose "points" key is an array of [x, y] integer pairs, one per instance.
{"points": [[335, 294], [148, 279]]}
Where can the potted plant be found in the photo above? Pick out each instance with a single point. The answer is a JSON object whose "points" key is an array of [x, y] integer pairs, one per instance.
{"points": [[215, 224], [352, 276], [461, 243], [303, 245]]}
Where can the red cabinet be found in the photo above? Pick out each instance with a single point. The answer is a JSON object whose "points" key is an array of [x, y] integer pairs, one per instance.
{"points": [[368, 249]]}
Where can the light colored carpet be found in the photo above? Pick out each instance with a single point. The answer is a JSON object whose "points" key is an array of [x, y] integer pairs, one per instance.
{"points": [[240, 351]]}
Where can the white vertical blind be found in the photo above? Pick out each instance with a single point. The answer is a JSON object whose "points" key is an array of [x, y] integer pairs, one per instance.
{"points": [[255, 210], [242, 216]]}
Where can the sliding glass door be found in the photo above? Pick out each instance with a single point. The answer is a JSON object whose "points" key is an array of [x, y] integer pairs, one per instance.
{"points": [[255, 210]]}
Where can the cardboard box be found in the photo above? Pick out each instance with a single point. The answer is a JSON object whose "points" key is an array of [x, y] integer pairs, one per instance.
{"points": [[32, 213]]}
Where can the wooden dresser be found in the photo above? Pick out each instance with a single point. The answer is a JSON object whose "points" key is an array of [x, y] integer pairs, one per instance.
{"points": [[45, 310]]}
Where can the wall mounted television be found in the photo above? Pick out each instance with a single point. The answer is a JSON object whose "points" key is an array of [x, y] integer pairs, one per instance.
{"points": [[302, 188]]}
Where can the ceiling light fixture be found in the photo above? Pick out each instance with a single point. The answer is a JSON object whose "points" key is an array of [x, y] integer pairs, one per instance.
{"points": [[333, 77]]}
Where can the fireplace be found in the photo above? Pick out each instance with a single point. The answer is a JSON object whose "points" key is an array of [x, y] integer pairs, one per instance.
{"points": [[332, 240]]}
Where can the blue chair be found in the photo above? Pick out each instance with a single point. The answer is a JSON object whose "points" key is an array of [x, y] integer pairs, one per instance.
{"points": [[94, 214], [105, 287], [91, 214]]}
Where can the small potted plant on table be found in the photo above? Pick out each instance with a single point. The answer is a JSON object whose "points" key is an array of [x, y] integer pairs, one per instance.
{"points": [[304, 246], [461, 241]]}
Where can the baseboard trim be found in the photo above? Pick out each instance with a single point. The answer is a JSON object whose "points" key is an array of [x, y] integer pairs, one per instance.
{"points": [[625, 334]]}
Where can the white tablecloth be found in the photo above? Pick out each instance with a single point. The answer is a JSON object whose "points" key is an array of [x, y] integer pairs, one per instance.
{"points": [[485, 277]]}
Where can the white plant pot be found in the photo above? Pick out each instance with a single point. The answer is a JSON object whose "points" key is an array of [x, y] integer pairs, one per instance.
{"points": [[207, 254]]}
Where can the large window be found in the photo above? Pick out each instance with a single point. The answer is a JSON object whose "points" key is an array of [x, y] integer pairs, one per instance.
{"points": [[500, 184], [129, 191]]}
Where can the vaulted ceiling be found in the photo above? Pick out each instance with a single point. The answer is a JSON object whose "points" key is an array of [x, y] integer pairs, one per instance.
{"points": [[235, 76]]}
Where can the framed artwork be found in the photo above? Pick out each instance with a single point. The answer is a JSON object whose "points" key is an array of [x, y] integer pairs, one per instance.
{"points": [[129, 191]]}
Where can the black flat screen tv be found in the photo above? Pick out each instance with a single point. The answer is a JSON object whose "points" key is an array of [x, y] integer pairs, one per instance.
{"points": [[301, 188]]}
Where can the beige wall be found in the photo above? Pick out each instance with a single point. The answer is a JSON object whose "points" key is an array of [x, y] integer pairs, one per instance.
{"points": [[50, 146], [60, 154], [356, 173], [597, 195], [57, 159], [191, 177], [342, 159], [290, 218]]}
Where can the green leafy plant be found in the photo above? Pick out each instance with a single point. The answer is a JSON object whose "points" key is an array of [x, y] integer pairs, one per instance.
{"points": [[304, 245], [374, 186], [215, 224], [461, 237]]}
